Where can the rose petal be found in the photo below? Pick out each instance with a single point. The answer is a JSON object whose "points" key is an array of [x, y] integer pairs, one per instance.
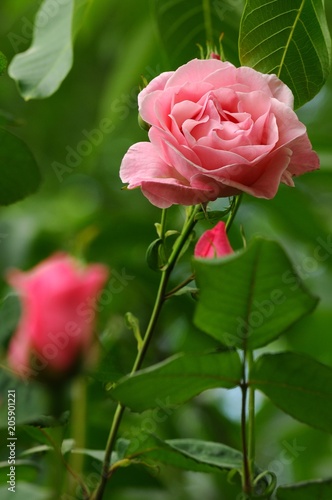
{"points": [[142, 162]]}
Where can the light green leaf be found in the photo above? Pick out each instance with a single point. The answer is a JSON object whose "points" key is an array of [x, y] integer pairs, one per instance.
{"points": [[178, 379], [298, 385], [290, 39], [249, 298], [40, 70], [309, 490], [19, 172]]}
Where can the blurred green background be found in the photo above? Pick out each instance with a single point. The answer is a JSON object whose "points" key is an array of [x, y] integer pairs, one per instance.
{"points": [[84, 211]]}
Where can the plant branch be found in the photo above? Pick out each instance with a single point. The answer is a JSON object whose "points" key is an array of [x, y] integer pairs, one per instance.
{"points": [[160, 298]]}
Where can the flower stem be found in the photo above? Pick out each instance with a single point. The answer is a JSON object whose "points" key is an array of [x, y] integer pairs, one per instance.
{"points": [[236, 204], [248, 425], [246, 476], [251, 418], [160, 298]]}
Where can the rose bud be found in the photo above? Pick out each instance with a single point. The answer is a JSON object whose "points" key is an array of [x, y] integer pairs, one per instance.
{"points": [[54, 336], [213, 243]]}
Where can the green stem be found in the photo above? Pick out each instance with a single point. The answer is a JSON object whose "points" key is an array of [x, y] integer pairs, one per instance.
{"points": [[251, 418], [160, 298], [246, 477], [78, 422], [236, 204], [248, 425]]}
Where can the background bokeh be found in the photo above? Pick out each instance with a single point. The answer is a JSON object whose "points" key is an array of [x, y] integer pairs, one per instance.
{"points": [[82, 209]]}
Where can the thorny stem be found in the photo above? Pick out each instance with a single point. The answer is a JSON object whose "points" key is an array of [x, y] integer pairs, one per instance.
{"points": [[160, 298]]}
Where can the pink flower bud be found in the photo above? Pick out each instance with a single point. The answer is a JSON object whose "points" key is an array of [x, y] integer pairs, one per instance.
{"points": [[55, 330], [213, 243]]}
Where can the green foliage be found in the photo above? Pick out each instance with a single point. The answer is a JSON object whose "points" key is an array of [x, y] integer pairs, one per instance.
{"points": [[290, 39], [176, 380], [272, 298], [19, 172], [310, 490], [183, 26], [299, 385], [3, 63], [86, 213]]}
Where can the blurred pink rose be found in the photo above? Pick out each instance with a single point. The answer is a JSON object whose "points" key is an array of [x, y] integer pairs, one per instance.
{"points": [[53, 333], [216, 130], [213, 243]]}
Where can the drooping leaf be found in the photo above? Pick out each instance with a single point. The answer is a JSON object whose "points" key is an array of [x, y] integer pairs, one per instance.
{"points": [[40, 70], [309, 490], [19, 172], [183, 25], [249, 298], [290, 39], [176, 380], [298, 385]]}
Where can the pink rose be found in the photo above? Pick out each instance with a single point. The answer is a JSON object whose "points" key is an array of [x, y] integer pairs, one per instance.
{"points": [[213, 243], [216, 130], [54, 333]]}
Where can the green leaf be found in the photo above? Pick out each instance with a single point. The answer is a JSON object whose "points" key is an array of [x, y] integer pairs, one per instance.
{"points": [[178, 379], [188, 454], [309, 490], [153, 255], [183, 26], [19, 172], [3, 63], [249, 298], [298, 385], [290, 39], [40, 70]]}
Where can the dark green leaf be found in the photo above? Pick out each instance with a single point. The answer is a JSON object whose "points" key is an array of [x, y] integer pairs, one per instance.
{"points": [[19, 172], [184, 25], [178, 379], [290, 39], [298, 384], [310, 490], [248, 299]]}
